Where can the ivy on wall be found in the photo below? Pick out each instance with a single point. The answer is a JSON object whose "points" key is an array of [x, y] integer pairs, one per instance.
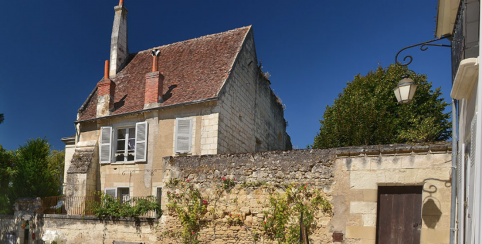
{"points": [[196, 210]]}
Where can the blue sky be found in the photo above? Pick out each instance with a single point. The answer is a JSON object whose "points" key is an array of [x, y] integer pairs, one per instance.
{"points": [[53, 52]]}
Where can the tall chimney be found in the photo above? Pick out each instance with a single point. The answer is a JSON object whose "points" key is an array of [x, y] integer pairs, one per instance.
{"points": [[154, 82], [105, 93], [119, 50]]}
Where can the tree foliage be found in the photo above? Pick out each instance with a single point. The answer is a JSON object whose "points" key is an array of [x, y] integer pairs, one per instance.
{"points": [[6, 172], [367, 112], [37, 171]]}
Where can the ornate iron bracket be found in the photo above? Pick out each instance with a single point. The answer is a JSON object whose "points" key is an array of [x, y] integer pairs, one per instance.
{"points": [[423, 47], [433, 188], [139, 170]]}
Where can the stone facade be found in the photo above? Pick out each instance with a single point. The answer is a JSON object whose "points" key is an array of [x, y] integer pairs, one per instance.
{"points": [[350, 178], [246, 117], [250, 114]]}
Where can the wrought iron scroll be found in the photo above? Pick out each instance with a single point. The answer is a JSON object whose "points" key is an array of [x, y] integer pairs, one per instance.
{"points": [[432, 188], [152, 171], [423, 47]]}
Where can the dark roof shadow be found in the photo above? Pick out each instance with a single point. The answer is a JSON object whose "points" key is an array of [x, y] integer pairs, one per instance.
{"points": [[120, 103], [168, 94]]}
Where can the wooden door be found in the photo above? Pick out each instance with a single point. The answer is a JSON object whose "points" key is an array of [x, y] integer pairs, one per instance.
{"points": [[399, 214]]}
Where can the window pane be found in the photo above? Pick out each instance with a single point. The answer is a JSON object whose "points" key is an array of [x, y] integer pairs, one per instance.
{"points": [[123, 194], [121, 134], [132, 133], [121, 145], [132, 144]]}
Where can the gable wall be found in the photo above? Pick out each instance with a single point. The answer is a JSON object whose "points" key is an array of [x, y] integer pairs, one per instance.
{"points": [[248, 110]]}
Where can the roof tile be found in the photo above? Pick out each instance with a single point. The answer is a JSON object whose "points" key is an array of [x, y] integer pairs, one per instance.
{"points": [[193, 70]]}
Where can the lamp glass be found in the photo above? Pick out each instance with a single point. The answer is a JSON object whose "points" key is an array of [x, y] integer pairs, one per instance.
{"points": [[405, 90]]}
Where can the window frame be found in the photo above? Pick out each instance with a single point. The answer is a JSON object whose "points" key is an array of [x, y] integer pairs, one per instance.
{"points": [[139, 156], [176, 135], [116, 196], [159, 198], [115, 129]]}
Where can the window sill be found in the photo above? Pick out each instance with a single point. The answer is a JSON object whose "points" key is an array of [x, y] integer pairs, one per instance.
{"points": [[120, 163]]}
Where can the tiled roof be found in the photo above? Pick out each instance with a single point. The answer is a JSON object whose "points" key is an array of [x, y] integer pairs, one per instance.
{"points": [[193, 70]]}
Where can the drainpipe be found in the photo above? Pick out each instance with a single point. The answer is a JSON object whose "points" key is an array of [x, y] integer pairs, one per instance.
{"points": [[454, 174]]}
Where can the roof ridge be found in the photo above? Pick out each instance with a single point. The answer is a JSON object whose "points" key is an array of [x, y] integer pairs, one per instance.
{"points": [[197, 38]]}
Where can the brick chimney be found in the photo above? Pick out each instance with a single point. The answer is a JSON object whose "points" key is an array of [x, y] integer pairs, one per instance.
{"points": [[105, 93], [119, 51], [154, 82]]}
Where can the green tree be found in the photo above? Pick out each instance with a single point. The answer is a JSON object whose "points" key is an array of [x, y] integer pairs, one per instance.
{"points": [[367, 112], [56, 166], [6, 173], [36, 172]]}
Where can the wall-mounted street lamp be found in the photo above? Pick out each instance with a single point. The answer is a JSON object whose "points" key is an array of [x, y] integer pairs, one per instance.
{"points": [[406, 88]]}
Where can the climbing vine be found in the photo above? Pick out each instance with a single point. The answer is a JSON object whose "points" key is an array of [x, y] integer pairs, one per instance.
{"points": [[282, 219], [195, 209]]}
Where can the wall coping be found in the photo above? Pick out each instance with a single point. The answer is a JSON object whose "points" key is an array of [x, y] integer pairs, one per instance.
{"points": [[394, 149], [80, 217], [371, 150]]}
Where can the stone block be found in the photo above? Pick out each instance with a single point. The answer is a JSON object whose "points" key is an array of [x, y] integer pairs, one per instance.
{"points": [[368, 241], [362, 232], [369, 219], [363, 207], [441, 236], [370, 195], [385, 162], [363, 180]]}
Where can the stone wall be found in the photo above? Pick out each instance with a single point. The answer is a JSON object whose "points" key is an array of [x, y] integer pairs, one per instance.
{"points": [[263, 173], [251, 117], [78, 229], [349, 177], [7, 226], [360, 172]]}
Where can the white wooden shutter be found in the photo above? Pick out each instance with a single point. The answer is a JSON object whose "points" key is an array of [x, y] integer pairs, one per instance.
{"points": [[105, 144], [141, 141], [111, 192], [183, 135]]}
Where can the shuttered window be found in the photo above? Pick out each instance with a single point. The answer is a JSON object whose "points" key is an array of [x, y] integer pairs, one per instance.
{"points": [[105, 144], [111, 192], [141, 142], [183, 135]]}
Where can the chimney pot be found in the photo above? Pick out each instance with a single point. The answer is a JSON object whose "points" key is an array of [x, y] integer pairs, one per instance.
{"points": [[121, 2], [106, 70], [155, 54]]}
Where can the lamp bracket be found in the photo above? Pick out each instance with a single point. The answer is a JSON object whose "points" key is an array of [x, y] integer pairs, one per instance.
{"points": [[423, 47]]}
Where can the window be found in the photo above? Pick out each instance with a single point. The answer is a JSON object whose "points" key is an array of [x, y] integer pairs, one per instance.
{"points": [[126, 143], [159, 194], [183, 135], [120, 192], [129, 143]]}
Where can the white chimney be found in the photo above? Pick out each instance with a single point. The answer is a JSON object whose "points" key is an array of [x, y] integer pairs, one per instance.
{"points": [[119, 50]]}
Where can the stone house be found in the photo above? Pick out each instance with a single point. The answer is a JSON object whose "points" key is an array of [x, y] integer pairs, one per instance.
{"points": [[201, 96]]}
